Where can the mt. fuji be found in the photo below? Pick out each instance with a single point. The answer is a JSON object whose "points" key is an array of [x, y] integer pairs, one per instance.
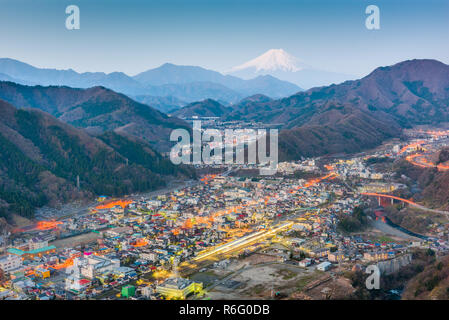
{"points": [[284, 66], [272, 60]]}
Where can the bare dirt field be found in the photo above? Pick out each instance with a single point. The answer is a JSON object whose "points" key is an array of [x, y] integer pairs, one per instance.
{"points": [[260, 281], [334, 288], [76, 240]]}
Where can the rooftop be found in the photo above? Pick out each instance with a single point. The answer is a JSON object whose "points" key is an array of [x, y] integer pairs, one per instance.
{"points": [[34, 251]]}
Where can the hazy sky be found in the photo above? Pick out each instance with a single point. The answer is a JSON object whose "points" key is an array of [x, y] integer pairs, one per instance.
{"points": [[135, 35]]}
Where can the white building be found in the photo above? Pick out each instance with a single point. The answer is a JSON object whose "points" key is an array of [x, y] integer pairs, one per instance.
{"points": [[95, 265], [149, 256], [10, 262], [35, 244], [324, 266], [147, 291], [305, 263]]}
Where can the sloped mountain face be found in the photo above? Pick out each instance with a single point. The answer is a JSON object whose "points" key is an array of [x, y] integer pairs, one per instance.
{"points": [[96, 109], [282, 65], [212, 108], [310, 78], [436, 193], [269, 86], [166, 104], [41, 158], [170, 73], [244, 105], [205, 108], [256, 98], [435, 183], [194, 91], [337, 129], [411, 92], [414, 92], [186, 83], [357, 114], [431, 283]]}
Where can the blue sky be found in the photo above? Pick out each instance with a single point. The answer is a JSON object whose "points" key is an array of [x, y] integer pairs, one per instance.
{"points": [[135, 35]]}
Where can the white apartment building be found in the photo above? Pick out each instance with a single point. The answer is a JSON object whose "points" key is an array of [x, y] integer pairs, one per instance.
{"points": [[35, 244], [10, 262], [95, 265]]}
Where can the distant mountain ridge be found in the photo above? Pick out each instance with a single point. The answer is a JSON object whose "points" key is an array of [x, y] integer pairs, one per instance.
{"points": [[173, 74], [117, 81], [97, 110], [184, 83]]}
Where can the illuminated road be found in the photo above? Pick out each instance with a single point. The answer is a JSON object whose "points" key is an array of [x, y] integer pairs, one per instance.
{"points": [[414, 204], [420, 161], [244, 241], [414, 145]]}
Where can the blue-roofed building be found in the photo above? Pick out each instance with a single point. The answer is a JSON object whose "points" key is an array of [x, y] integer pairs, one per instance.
{"points": [[32, 253]]}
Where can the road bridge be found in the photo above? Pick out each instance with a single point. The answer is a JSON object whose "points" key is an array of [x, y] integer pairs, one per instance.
{"points": [[413, 204]]}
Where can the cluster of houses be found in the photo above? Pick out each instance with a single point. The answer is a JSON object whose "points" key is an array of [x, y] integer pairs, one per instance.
{"points": [[120, 240]]}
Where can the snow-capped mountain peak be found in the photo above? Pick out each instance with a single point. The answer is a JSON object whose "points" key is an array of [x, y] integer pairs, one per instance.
{"points": [[272, 60], [284, 66]]}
